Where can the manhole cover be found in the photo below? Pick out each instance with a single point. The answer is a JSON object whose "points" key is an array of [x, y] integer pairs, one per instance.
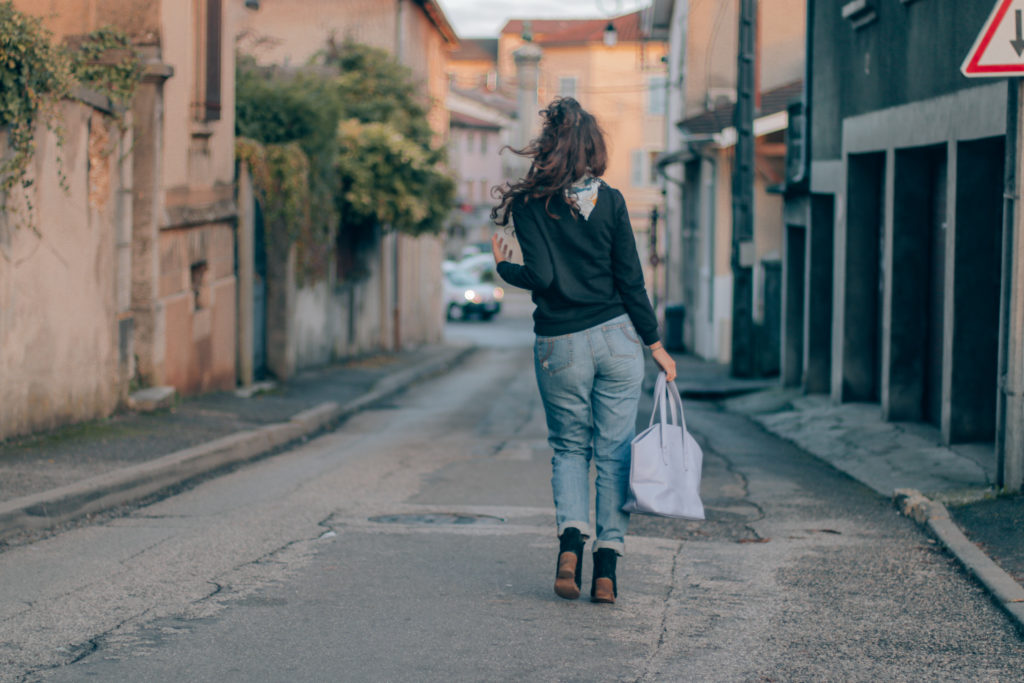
{"points": [[437, 518]]}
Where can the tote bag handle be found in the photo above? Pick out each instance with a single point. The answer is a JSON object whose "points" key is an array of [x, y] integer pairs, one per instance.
{"points": [[677, 399], [662, 395]]}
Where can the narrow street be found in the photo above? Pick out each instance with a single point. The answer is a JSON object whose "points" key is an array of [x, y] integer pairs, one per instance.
{"points": [[416, 543]]}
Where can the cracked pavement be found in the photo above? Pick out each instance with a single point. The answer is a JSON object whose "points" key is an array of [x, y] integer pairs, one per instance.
{"points": [[278, 571]]}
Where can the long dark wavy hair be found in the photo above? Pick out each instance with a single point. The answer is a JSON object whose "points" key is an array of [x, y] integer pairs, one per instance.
{"points": [[570, 145]]}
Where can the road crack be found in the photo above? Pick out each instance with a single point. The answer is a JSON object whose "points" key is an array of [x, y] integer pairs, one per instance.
{"points": [[87, 648], [650, 665]]}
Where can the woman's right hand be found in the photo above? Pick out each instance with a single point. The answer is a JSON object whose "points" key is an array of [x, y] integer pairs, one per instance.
{"points": [[501, 251], [664, 360]]}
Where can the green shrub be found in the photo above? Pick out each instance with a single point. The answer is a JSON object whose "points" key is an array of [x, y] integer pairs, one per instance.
{"points": [[364, 130]]}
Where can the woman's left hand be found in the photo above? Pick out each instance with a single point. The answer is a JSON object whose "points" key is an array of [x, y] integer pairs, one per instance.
{"points": [[502, 252]]}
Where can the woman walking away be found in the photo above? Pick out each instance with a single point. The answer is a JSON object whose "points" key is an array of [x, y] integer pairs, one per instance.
{"points": [[592, 313]]}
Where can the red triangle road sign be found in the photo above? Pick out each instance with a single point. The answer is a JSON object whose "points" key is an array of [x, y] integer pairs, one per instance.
{"points": [[999, 48]]}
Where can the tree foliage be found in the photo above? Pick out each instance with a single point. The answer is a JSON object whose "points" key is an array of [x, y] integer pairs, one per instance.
{"points": [[356, 115], [388, 178]]}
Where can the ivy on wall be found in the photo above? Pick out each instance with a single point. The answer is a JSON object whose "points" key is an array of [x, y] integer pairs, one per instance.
{"points": [[106, 62], [281, 178], [36, 73]]}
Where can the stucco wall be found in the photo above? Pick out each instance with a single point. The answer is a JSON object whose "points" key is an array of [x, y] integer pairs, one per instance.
{"points": [[711, 49], [292, 31], [140, 19], [197, 156], [59, 342], [197, 292]]}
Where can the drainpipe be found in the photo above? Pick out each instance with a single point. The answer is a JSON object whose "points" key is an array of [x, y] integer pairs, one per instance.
{"points": [[395, 299]]}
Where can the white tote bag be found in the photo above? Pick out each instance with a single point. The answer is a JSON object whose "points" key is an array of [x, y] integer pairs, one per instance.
{"points": [[664, 476]]}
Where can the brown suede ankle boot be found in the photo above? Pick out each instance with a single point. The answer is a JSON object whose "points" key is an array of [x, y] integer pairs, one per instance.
{"points": [[603, 586], [570, 564]]}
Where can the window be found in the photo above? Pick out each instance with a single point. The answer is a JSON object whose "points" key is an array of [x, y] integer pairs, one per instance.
{"points": [[483, 141], [643, 167], [656, 95], [637, 168], [470, 140], [207, 95], [483, 191], [567, 86]]}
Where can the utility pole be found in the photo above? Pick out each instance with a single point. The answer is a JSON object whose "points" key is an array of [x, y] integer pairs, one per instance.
{"points": [[653, 257], [743, 252]]}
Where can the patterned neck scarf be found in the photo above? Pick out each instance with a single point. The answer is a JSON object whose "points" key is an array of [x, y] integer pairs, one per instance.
{"points": [[584, 191]]}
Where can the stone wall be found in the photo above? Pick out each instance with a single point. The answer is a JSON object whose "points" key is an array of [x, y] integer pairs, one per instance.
{"points": [[65, 336]]}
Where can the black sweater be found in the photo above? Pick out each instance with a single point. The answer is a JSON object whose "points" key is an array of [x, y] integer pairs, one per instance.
{"points": [[582, 272]]}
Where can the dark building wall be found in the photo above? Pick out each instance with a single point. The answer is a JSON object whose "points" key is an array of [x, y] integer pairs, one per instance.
{"points": [[911, 52]]}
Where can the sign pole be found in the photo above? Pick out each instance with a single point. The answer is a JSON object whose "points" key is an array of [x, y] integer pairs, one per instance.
{"points": [[1010, 396]]}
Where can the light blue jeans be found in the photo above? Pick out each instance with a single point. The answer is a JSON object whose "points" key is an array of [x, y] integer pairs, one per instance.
{"points": [[590, 384]]}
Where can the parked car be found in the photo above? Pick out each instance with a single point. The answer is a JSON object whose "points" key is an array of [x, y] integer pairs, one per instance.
{"points": [[480, 267], [466, 296]]}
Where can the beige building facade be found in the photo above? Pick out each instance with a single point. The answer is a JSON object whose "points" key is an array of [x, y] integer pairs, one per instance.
{"points": [[622, 84], [132, 282], [183, 209], [698, 165]]}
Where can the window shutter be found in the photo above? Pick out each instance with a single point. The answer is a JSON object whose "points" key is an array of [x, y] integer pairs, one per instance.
{"points": [[637, 167], [212, 103]]}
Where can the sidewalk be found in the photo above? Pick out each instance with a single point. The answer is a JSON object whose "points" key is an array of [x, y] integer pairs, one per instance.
{"points": [[949, 490], [49, 479]]}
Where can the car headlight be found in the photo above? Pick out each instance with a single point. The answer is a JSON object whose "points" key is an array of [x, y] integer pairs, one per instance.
{"points": [[469, 295], [499, 293]]}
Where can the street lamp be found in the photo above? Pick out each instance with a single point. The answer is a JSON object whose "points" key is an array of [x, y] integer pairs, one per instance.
{"points": [[611, 36]]}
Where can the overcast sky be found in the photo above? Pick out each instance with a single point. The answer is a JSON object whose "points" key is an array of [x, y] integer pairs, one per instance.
{"points": [[484, 18]]}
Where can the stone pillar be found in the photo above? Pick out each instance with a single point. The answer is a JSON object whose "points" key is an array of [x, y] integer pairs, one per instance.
{"points": [[147, 203], [527, 59], [972, 293], [913, 247]]}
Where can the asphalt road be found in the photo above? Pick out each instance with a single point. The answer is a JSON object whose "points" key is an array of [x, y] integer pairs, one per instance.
{"points": [[417, 543]]}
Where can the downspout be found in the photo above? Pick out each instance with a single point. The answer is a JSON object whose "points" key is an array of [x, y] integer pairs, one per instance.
{"points": [[808, 91], [395, 299], [1010, 209], [679, 85]]}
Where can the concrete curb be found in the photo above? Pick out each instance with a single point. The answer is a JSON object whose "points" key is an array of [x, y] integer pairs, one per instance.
{"points": [[50, 508], [1006, 592]]}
